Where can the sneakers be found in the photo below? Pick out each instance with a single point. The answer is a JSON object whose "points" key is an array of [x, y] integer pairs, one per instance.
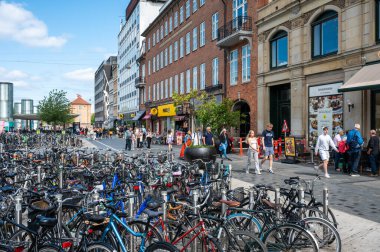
{"points": [[247, 172], [354, 175], [271, 171], [258, 173], [327, 175], [316, 167]]}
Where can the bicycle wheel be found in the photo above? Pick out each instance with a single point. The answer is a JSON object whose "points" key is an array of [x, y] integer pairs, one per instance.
{"points": [[245, 241], [153, 234], [99, 247], [161, 246], [290, 237], [244, 222], [49, 248], [209, 244], [330, 215], [324, 232]]}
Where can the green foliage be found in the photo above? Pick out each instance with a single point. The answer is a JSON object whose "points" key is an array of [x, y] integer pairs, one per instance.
{"points": [[55, 108], [180, 99], [92, 118]]}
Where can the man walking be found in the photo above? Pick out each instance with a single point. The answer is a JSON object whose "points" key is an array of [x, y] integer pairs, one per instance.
{"points": [[128, 139], [355, 142], [208, 137], [373, 152], [323, 145], [267, 140]]}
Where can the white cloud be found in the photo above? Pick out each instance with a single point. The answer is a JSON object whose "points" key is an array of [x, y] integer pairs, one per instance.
{"points": [[19, 24], [12, 75], [86, 74]]}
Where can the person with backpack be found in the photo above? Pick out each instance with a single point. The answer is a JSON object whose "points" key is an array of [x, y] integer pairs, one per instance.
{"points": [[355, 142], [128, 139], [340, 143], [373, 152]]}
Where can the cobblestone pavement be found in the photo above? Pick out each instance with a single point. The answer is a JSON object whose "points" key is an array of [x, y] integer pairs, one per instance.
{"points": [[358, 196]]}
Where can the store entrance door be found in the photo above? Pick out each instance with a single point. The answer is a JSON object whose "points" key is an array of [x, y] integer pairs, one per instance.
{"points": [[280, 107], [375, 117]]}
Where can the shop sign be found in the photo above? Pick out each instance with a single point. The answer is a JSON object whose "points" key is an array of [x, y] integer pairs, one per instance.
{"points": [[290, 146], [325, 109], [166, 110], [153, 111]]}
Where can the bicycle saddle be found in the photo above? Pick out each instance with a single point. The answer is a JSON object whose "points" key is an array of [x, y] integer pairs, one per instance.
{"points": [[230, 203], [153, 214], [95, 218], [46, 221]]}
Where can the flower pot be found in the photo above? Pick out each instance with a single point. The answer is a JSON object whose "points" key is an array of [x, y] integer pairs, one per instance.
{"points": [[206, 154]]}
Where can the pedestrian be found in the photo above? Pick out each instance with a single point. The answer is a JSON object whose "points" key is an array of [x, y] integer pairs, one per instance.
{"points": [[253, 151], [355, 143], [137, 135], [267, 141], [323, 145], [170, 140], [197, 137], [338, 140], [128, 139], [223, 138], [208, 137], [144, 133], [86, 131], [133, 138], [185, 143], [373, 152], [149, 138]]}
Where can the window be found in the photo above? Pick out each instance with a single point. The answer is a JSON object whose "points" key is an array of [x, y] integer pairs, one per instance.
{"points": [[176, 84], [148, 44], [158, 36], [234, 67], [246, 63], [154, 92], [325, 34], [202, 76], [181, 47], [187, 9], [215, 24], [175, 19], [162, 60], [176, 51], [171, 87], [202, 34], [195, 38], [182, 85], [166, 28], [162, 90], [378, 20], [158, 62], [279, 49], [181, 15], [239, 9], [195, 78], [154, 64], [201, 2], [166, 57], [188, 80], [149, 91], [195, 5], [215, 71], [166, 89], [170, 54], [148, 67], [188, 43], [154, 39], [162, 32], [170, 24]]}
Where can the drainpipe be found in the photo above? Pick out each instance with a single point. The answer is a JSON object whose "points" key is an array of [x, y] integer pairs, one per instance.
{"points": [[225, 51]]}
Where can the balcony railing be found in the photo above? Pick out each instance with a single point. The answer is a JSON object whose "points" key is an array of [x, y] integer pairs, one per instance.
{"points": [[140, 82], [213, 88], [238, 26]]}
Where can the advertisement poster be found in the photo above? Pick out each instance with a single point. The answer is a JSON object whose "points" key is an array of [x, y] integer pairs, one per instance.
{"points": [[290, 147], [325, 109]]}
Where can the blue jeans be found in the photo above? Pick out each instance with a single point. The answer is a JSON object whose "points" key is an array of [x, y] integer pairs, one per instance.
{"points": [[354, 159], [372, 159], [223, 150]]}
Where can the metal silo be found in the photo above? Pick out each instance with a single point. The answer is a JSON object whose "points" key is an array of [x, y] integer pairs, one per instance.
{"points": [[17, 110], [6, 101], [35, 122], [26, 109]]}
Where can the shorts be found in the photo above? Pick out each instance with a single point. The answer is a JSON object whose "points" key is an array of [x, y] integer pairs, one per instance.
{"points": [[269, 151], [325, 155]]}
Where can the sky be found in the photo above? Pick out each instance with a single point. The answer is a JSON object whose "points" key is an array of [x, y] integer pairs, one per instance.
{"points": [[56, 44]]}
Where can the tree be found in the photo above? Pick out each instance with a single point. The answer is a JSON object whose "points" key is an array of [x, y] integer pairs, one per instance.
{"points": [[93, 119], [55, 108]]}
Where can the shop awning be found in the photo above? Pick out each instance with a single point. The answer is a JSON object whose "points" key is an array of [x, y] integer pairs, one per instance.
{"points": [[147, 117], [367, 78], [138, 115], [179, 118]]}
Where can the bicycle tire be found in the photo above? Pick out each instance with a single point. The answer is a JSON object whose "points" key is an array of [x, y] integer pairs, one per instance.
{"points": [[330, 215], [49, 248], [141, 225], [329, 235], [244, 222], [99, 247], [288, 234], [161, 246], [246, 241]]}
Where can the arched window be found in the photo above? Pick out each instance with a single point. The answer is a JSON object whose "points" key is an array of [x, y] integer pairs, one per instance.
{"points": [[279, 49], [378, 20], [325, 34]]}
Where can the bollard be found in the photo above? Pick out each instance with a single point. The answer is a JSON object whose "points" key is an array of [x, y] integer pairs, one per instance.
{"points": [[230, 177], [59, 201], [195, 201], [1, 147], [277, 201], [164, 195], [325, 200], [92, 159], [78, 159], [18, 210], [61, 177], [95, 198], [224, 197], [131, 204], [39, 174], [301, 195], [251, 197], [63, 159]]}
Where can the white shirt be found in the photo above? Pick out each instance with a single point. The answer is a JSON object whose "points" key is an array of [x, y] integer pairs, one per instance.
{"points": [[324, 142], [337, 139]]}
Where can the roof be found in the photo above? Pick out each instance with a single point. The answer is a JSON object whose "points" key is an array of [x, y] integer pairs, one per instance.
{"points": [[80, 101]]}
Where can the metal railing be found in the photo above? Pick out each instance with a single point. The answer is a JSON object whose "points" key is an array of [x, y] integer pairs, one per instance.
{"points": [[241, 23], [213, 87]]}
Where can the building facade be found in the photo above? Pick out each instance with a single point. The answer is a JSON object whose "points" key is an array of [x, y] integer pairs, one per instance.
{"points": [[103, 77], [180, 55], [307, 50], [81, 108], [139, 14], [115, 91]]}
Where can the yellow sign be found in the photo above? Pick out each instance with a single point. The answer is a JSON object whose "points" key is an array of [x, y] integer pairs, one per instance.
{"points": [[153, 111], [133, 115], [121, 116], [290, 146], [166, 110]]}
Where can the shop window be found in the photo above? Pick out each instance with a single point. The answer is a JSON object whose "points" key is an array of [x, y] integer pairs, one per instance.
{"points": [[378, 20], [279, 49], [325, 34]]}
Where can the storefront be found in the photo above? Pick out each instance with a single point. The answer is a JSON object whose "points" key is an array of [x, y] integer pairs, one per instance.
{"points": [[165, 114]]}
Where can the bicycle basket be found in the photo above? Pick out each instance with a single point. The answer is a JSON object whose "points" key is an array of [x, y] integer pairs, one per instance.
{"points": [[213, 169], [238, 194]]}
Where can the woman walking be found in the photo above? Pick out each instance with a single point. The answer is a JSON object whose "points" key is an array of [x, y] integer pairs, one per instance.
{"points": [[186, 143], [223, 138], [149, 137], [170, 140], [253, 152]]}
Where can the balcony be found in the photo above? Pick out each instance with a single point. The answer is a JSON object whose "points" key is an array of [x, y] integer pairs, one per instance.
{"points": [[214, 88], [234, 32], [140, 82]]}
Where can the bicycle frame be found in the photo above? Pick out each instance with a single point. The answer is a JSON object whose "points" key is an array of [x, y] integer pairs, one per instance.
{"points": [[202, 231]]}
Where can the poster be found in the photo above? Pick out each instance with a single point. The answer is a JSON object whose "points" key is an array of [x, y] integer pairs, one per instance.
{"points": [[290, 147], [325, 109]]}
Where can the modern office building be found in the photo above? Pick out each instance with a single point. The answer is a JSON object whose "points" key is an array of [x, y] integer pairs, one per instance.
{"points": [[139, 14], [103, 77]]}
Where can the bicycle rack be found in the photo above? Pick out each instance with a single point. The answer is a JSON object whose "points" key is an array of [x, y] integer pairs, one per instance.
{"points": [[164, 195], [131, 204], [325, 200], [277, 201], [39, 174], [95, 198], [195, 201], [18, 210], [251, 191], [224, 197]]}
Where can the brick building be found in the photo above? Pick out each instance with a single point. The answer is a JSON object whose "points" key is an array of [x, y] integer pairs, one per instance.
{"points": [[180, 54]]}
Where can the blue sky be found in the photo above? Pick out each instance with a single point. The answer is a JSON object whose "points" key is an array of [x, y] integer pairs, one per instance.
{"points": [[56, 44]]}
